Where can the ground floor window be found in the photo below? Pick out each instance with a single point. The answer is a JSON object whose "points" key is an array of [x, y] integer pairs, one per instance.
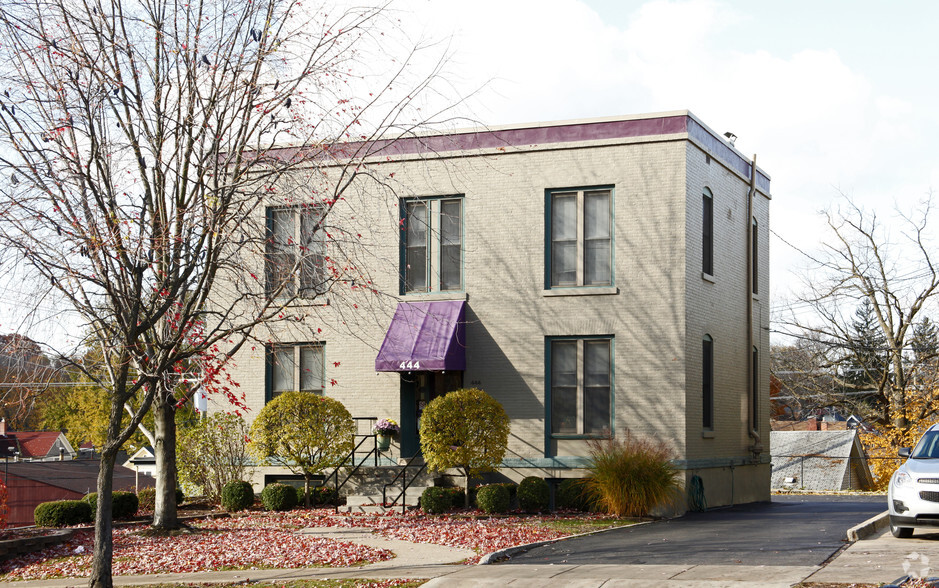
{"points": [[295, 367], [580, 386]]}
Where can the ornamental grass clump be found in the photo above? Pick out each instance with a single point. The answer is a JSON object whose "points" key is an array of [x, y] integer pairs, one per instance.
{"points": [[632, 476]]}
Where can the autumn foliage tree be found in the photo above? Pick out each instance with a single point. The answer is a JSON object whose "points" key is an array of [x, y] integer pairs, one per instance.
{"points": [[465, 429], [303, 432], [140, 145]]}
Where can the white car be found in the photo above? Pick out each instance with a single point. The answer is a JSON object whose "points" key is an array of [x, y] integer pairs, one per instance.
{"points": [[913, 495]]}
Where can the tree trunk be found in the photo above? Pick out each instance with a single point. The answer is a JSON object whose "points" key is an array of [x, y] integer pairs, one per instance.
{"points": [[164, 416], [466, 488], [306, 491], [104, 549]]}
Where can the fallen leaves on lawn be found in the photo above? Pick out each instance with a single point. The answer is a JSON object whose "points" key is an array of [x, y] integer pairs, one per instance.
{"points": [[269, 540], [248, 542]]}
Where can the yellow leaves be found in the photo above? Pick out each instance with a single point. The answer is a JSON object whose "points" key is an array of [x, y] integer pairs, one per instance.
{"points": [[467, 428]]}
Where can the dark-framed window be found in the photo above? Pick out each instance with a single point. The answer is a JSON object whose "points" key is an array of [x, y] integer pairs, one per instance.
{"points": [[755, 391], [707, 382], [707, 232], [579, 237], [295, 367], [580, 386], [295, 252], [755, 256], [432, 244]]}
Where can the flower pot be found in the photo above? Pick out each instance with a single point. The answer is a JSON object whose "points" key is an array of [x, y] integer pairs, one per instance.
{"points": [[384, 442]]}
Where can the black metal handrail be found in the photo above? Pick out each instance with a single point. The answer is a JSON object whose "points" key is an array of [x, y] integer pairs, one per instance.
{"points": [[355, 466], [404, 485]]}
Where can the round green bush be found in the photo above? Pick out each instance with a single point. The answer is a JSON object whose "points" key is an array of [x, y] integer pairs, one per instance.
{"points": [[124, 505], [437, 499], [533, 494], [493, 499], [146, 498], [572, 494], [237, 495], [279, 497], [63, 513], [322, 495]]}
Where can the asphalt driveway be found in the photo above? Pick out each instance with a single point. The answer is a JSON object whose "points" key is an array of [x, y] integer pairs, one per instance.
{"points": [[789, 531]]}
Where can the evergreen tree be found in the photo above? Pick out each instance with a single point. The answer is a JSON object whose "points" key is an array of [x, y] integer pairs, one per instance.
{"points": [[866, 360]]}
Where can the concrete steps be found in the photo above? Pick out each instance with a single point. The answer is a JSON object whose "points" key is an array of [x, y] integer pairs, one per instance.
{"points": [[368, 482]]}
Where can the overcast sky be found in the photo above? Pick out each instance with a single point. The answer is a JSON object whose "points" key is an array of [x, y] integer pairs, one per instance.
{"points": [[833, 97]]}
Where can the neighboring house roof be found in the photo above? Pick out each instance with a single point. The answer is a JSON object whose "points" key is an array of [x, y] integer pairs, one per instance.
{"points": [[37, 444], [76, 475], [819, 460]]}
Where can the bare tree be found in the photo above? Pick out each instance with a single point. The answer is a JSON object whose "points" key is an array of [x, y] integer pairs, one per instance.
{"points": [[865, 293], [143, 171]]}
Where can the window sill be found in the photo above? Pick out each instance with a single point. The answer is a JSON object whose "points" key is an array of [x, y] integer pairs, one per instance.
{"points": [[756, 296], [580, 437], [581, 291], [436, 295], [707, 434], [708, 278]]}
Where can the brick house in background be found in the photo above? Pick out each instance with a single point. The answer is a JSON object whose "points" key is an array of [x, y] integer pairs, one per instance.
{"points": [[593, 276]]}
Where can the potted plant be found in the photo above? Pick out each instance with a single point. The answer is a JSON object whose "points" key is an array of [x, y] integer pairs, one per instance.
{"points": [[385, 429]]}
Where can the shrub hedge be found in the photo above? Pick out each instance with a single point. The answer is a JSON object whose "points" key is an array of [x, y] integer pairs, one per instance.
{"points": [[279, 497], [437, 499], [573, 494], [124, 505], [237, 495], [493, 499], [533, 494], [147, 498], [63, 513]]}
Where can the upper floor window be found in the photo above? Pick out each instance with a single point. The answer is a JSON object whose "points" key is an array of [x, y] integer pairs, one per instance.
{"points": [[295, 252], [755, 256], [580, 227], [580, 383], [432, 245], [707, 232], [295, 368]]}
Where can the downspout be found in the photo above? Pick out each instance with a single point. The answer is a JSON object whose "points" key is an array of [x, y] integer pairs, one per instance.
{"points": [[757, 447]]}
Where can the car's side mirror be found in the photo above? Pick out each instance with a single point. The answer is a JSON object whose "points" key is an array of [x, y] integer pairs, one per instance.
{"points": [[904, 451]]}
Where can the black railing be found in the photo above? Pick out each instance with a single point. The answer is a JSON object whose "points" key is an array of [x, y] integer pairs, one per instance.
{"points": [[405, 484], [363, 439]]}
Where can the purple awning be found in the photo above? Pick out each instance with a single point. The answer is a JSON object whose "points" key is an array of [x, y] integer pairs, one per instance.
{"points": [[425, 336]]}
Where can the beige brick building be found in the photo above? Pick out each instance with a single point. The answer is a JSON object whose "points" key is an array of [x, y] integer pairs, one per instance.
{"points": [[593, 276]]}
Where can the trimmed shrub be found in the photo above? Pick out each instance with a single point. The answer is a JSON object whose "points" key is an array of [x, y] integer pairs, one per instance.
{"points": [[437, 499], [279, 497], [630, 477], [63, 513], [237, 495], [146, 498], [572, 494], [124, 505], [493, 499], [323, 495], [533, 494]]}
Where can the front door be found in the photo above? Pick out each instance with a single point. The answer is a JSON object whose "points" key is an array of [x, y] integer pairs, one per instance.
{"points": [[418, 389]]}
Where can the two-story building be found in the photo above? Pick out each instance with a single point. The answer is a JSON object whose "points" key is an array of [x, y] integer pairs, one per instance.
{"points": [[593, 276]]}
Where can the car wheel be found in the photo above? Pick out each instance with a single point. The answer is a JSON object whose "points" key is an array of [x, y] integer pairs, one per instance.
{"points": [[901, 532]]}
